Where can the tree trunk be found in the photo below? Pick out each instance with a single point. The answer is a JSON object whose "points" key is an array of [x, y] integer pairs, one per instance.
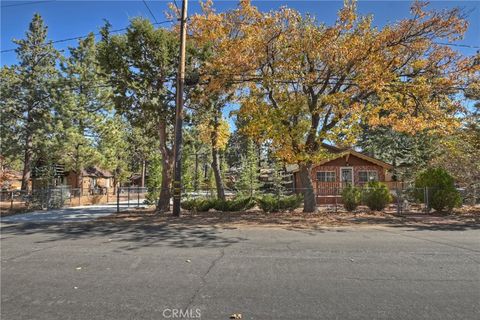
{"points": [[217, 174], [309, 202], [195, 183], [115, 185], [142, 183], [165, 192], [27, 164], [79, 179], [167, 160], [215, 163]]}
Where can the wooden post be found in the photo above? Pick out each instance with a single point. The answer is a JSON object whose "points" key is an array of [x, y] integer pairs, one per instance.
{"points": [[177, 179], [118, 200], [128, 197], [143, 174]]}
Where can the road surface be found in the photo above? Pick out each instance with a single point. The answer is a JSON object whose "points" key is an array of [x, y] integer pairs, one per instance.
{"points": [[124, 271], [70, 214]]}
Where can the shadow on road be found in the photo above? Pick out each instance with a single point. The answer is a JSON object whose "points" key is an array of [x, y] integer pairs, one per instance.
{"points": [[139, 229], [131, 235]]}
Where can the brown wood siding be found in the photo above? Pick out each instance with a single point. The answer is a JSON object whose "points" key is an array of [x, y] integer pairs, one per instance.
{"points": [[329, 192]]}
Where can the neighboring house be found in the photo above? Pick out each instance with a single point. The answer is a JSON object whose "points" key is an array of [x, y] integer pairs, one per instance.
{"points": [[47, 176], [10, 179], [344, 167], [136, 180], [92, 179]]}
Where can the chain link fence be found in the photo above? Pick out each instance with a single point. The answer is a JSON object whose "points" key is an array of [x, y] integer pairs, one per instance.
{"points": [[64, 196], [404, 199]]}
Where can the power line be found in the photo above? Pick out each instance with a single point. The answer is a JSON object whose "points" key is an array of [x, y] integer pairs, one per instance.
{"points": [[167, 21], [457, 45], [81, 37], [25, 3], [149, 10]]}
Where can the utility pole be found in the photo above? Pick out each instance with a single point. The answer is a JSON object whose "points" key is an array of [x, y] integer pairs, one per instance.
{"points": [[177, 152]]}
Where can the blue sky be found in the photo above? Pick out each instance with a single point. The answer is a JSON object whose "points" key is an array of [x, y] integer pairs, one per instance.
{"points": [[66, 19]]}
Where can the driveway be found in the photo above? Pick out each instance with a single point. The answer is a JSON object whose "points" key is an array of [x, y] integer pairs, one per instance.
{"points": [[71, 214], [145, 271]]}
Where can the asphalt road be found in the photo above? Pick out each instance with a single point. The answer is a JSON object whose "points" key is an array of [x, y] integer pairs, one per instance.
{"points": [[70, 214], [103, 271]]}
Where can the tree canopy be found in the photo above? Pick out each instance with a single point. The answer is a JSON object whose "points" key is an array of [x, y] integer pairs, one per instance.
{"points": [[304, 83]]}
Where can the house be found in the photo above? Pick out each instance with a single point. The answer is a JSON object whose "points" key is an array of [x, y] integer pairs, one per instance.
{"points": [[344, 167], [91, 180], [137, 180], [10, 179]]}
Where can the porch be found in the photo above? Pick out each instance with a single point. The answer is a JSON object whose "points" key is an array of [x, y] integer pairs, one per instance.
{"points": [[331, 192]]}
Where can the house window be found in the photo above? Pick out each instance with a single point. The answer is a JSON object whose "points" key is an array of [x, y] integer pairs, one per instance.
{"points": [[326, 176], [366, 176]]}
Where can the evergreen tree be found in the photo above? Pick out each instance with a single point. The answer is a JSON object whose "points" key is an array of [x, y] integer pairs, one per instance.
{"points": [[248, 182], [142, 148], [141, 66], [407, 153], [113, 145], [277, 177], [28, 94], [83, 104], [236, 145], [154, 180]]}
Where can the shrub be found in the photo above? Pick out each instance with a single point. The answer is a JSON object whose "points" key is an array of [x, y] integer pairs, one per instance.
{"points": [[351, 197], [268, 203], [271, 203], [205, 204], [441, 189], [291, 202], [242, 204], [198, 204], [151, 197], [376, 195], [238, 204]]}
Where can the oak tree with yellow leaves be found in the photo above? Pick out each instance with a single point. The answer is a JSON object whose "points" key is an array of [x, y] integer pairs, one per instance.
{"points": [[302, 83], [214, 131]]}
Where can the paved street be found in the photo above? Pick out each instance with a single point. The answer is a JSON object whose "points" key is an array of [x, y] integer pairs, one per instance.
{"points": [[72, 214], [124, 271]]}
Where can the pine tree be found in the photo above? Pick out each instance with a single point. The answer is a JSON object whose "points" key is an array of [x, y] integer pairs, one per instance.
{"points": [[248, 182], [28, 93], [407, 153], [277, 177], [83, 104], [154, 180], [113, 145], [141, 67]]}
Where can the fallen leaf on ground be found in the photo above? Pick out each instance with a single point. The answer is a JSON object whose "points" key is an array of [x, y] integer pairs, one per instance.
{"points": [[188, 260], [236, 316], [78, 268]]}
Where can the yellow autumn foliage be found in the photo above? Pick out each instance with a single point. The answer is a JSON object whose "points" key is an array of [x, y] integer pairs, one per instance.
{"points": [[301, 83], [222, 131]]}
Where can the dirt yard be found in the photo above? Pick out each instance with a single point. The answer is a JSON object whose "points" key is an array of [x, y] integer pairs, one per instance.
{"points": [[8, 208], [465, 217]]}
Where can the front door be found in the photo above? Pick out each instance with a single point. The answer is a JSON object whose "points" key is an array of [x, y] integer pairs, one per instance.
{"points": [[346, 174]]}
